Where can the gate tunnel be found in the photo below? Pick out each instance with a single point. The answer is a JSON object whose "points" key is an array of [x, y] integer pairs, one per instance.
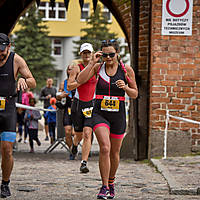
{"points": [[134, 19]]}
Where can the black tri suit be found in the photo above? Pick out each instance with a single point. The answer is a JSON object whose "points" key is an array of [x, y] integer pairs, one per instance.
{"points": [[7, 100]]}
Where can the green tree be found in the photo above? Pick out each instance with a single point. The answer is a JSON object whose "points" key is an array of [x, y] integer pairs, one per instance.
{"points": [[34, 45], [96, 32]]}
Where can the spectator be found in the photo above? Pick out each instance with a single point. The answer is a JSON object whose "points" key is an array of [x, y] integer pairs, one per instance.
{"points": [[26, 95], [32, 117], [51, 119], [46, 93]]}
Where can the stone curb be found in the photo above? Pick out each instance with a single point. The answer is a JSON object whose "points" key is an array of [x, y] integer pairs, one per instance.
{"points": [[174, 187]]}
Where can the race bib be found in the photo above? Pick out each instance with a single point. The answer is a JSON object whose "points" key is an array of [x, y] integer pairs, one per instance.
{"points": [[2, 103], [110, 104], [87, 112], [69, 111]]}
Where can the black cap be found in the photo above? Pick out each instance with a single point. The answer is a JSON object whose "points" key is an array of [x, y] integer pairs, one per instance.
{"points": [[4, 41]]}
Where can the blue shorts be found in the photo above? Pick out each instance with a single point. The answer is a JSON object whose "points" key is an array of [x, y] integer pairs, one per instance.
{"points": [[8, 118]]}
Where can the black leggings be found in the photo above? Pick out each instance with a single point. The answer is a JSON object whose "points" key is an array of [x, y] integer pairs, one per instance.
{"points": [[52, 130], [33, 135]]}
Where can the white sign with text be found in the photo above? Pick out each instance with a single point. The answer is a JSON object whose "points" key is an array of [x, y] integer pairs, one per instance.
{"points": [[177, 17]]}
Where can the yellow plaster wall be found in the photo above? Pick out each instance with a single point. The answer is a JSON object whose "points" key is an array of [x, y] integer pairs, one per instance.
{"points": [[72, 26]]}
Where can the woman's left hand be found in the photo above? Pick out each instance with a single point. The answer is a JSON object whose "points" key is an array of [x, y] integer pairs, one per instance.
{"points": [[121, 84]]}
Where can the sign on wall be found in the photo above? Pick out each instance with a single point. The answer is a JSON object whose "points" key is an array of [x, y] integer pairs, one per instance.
{"points": [[177, 17]]}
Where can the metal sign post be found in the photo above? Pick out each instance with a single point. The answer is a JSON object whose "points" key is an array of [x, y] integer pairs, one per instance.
{"points": [[60, 133]]}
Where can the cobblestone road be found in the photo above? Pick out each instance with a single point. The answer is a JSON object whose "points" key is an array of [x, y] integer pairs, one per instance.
{"points": [[53, 176]]}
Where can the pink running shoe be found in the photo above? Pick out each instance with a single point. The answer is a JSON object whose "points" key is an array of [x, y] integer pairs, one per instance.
{"points": [[111, 191], [103, 192]]}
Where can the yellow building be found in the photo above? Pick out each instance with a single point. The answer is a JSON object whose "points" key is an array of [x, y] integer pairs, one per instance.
{"points": [[64, 27]]}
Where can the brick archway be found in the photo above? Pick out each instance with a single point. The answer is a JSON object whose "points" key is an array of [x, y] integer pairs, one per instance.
{"points": [[134, 19], [10, 11]]}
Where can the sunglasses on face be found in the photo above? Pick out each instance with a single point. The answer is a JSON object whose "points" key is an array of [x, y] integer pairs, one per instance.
{"points": [[105, 55], [108, 41], [4, 43]]}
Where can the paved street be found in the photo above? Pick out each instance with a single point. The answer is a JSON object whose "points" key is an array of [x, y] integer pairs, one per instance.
{"points": [[53, 176]]}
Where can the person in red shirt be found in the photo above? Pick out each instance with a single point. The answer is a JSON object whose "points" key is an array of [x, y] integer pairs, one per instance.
{"points": [[82, 106]]}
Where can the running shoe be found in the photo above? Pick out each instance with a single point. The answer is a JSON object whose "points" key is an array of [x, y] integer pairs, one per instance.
{"points": [[83, 167], [103, 192], [111, 194], [5, 191], [31, 151], [46, 138]]}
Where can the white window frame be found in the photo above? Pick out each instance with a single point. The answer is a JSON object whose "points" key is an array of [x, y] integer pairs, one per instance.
{"points": [[85, 9], [106, 10], [47, 8], [53, 45]]}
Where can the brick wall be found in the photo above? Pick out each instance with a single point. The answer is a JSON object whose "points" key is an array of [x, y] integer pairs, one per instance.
{"points": [[174, 81], [144, 31], [170, 79]]}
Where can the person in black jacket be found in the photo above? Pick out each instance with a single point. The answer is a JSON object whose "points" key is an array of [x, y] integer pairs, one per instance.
{"points": [[45, 95]]}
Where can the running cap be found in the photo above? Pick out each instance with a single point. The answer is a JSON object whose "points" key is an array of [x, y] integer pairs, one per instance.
{"points": [[4, 41], [86, 46], [53, 100]]}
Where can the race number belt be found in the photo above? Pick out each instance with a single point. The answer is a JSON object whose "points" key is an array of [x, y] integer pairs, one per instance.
{"points": [[110, 103], [2, 103], [87, 112]]}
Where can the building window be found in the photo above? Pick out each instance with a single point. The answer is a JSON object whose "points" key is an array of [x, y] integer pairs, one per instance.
{"points": [[57, 47], [57, 14], [85, 11], [107, 14]]}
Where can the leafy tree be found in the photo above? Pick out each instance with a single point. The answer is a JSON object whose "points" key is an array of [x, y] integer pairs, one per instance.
{"points": [[34, 45], [96, 32]]}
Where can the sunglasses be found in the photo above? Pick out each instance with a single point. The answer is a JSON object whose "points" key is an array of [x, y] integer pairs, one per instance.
{"points": [[4, 43], [105, 55], [109, 41]]}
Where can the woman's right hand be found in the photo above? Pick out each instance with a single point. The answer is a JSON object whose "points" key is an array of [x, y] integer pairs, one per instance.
{"points": [[96, 57]]}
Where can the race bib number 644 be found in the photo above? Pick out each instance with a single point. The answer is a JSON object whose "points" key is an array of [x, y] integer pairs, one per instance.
{"points": [[2, 103], [110, 104]]}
